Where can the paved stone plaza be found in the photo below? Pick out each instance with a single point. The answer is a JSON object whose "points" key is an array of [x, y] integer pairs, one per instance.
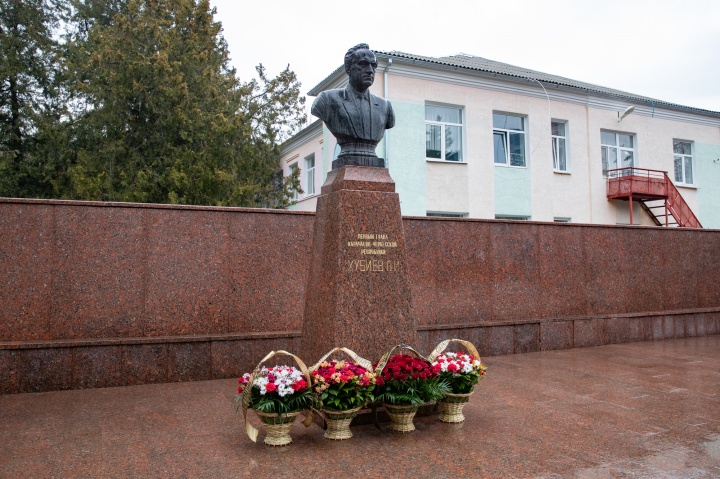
{"points": [[637, 410]]}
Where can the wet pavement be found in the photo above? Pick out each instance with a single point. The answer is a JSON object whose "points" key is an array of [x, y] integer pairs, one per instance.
{"points": [[638, 410]]}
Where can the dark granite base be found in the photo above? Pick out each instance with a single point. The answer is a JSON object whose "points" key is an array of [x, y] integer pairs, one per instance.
{"points": [[367, 161], [39, 366]]}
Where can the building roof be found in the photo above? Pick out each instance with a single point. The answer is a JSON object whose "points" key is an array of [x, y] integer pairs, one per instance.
{"points": [[484, 65]]}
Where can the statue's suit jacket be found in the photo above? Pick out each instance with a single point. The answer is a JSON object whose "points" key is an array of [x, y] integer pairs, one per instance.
{"points": [[341, 113]]}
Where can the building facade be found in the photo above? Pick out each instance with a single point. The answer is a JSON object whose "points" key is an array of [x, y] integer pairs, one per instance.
{"points": [[483, 139]]}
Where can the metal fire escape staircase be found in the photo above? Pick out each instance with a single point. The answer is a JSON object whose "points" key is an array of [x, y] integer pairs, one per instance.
{"points": [[656, 194]]}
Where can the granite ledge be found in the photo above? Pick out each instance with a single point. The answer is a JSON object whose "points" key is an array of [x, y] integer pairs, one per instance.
{"points": [[152, 206], [197, 338], [552, 319]]}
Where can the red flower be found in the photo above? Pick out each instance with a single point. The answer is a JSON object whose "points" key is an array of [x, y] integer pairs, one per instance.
{"points": [[270, 387], [300, 385], [379, 381], [240, 389]]}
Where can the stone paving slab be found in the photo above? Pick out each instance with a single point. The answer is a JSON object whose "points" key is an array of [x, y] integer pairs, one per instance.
{"points": [[638, 410]]}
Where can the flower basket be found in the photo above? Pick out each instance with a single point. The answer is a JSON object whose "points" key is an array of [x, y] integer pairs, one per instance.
{"points": [[406, 382], [341, 389], [451, 407], [338, 423], [277, 395], [462, 371], [277, 426], [401, 417]]}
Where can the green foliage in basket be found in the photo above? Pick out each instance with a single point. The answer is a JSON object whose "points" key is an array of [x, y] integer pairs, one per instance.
{"points": [[343, 385], [462, 371], [409, 381], [280, 389]]}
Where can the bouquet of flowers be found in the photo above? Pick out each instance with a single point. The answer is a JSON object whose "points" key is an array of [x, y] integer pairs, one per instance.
{"points": [[460, 370], [280, 389], [343, 385], [410, 381]]}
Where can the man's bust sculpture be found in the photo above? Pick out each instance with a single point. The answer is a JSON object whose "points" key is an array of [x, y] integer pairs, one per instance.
{"points": [[357, 118]]}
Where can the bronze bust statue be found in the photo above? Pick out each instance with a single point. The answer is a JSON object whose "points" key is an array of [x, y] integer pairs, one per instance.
{"points": [[356, 117]]}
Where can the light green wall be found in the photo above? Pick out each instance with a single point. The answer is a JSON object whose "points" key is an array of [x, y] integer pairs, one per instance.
{"points": [[512, 191], [406, 156], [326, 152], [708, 181]]}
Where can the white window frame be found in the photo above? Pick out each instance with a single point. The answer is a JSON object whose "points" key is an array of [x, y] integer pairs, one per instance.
{"points": [[310, 174], [618, 150], [445, 214], [443, 125], [683, 157], [293, 166], [506, 140], [556, 140]]}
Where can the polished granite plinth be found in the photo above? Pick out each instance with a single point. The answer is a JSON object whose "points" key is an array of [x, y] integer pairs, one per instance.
{"points": [[636, 410], [357, 291]]}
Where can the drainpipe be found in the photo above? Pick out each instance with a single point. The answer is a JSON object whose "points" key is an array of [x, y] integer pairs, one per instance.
{"points": [[385, 92]]}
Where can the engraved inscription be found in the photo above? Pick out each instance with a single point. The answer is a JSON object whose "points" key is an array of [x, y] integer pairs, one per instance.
{"points": [[372, 244]]}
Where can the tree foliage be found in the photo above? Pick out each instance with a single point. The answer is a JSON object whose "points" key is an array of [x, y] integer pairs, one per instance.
{"points": [[153, 112], [28, 67]]}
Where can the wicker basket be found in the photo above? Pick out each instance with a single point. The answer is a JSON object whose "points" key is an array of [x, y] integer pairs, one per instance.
{"points": [[451, 407], [277, 426], [401, 417], [338, 423]]}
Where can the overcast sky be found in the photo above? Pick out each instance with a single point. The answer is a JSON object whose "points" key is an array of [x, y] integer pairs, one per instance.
{"points": [[668, 50]]}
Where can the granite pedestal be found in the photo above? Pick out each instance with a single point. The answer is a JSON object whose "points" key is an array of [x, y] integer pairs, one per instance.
{"points": [[357, 293]]}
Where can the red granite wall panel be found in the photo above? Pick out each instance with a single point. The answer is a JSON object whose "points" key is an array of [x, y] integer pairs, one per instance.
{"points": [[98, 276], [563, 266], [516, 258], [26, 271], [187, 279], [451, 266], [268, 266]]}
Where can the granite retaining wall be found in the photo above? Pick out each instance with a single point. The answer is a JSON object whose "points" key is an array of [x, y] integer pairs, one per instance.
{"points": [[113, 294]]}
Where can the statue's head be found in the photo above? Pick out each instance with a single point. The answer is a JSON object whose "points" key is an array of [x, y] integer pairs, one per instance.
{"points": [[360, 65]]}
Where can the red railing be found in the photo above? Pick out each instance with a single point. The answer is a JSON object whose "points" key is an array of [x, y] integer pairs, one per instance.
{"points": [[638, 182], [679, 208], [642, 184]]}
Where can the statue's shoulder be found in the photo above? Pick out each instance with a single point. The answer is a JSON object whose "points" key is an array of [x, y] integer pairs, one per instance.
{"points": [[379, 100], [335, 94]]}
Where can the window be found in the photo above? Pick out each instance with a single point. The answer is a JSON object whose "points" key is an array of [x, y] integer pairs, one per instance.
{"points": [[294, 168], [509, 139], [558, 130], [443, 133], [561, 219], [443, 214], [310, 174], [618, 151], [512, 217], [683, 162]]}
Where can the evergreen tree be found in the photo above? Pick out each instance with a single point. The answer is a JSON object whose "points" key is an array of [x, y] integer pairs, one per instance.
{"points": [[159, 116], [28, 94]]}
